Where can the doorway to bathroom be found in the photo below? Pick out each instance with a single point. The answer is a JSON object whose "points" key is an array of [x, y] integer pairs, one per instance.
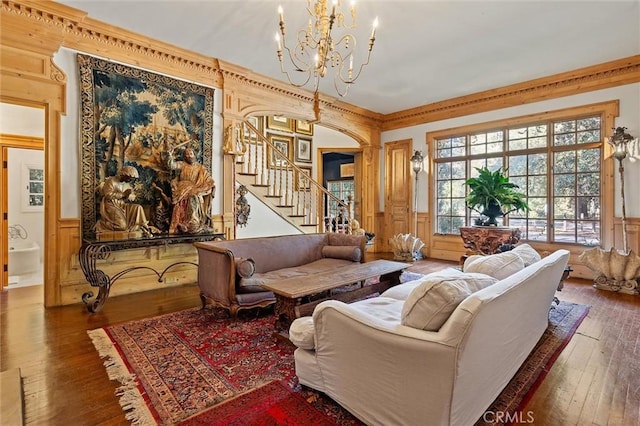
{"points": [[22, 195]]}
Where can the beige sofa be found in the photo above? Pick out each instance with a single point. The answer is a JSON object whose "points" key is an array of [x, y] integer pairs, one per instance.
{"points": [[230, 273], [434, 351]]}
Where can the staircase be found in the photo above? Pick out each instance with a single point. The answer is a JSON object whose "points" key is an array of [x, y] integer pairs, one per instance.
{"points": [[267, 171]]}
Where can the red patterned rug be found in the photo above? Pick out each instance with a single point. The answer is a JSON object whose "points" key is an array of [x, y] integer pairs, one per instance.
{"points": [[198, 367]]}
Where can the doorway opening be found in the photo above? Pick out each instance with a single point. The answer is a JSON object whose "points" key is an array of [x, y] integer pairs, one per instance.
{"points": [[22, 195]]}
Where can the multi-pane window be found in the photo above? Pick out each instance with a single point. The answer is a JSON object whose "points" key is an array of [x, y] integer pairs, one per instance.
{"points": [[342, 190], [555, 163]]}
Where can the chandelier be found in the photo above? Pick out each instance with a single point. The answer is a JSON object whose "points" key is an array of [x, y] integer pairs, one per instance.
{"points": [[324, 43]]}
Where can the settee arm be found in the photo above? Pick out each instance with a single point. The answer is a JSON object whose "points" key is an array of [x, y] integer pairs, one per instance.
{"points": [[383, 373], [216, 274]]}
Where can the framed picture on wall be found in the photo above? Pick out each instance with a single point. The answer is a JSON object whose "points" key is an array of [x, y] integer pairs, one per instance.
{"points": [[284, 146], [303, 184], [346, 170], [303, 149], [304, 127], [249, 135], [278, 122]]}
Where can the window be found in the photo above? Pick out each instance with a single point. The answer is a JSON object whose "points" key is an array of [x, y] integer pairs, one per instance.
{"points": [[33, 184], [556, 162], [341, 189]]}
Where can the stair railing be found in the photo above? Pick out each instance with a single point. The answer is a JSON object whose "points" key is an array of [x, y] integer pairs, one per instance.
{"points": [[292, 186]]}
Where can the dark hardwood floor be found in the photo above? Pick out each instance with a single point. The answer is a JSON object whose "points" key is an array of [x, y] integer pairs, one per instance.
{"points": [[595, 381]]}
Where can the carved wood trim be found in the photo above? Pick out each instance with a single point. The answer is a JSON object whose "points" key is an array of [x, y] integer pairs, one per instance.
{"points": [[601, 76]]}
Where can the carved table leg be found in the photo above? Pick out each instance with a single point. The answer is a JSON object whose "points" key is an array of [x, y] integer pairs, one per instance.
{"points": [[285, 313], [88, 255]]}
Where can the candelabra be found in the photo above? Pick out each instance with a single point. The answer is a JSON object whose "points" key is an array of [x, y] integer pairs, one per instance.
{"points": [[624, 146], [417, 163]]}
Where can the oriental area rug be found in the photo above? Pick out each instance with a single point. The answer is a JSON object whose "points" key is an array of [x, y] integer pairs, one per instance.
{"points": [[197, 367]]}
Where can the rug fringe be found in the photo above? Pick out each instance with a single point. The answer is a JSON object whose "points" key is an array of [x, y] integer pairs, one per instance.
{"points": [[130, 399]]}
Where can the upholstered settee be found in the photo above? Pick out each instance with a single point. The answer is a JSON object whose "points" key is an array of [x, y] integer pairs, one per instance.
{"points": [[231, 273], [434, 351]]}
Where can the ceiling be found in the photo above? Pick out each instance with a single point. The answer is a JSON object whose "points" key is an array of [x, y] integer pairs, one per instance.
{"points": [[425, 51]]}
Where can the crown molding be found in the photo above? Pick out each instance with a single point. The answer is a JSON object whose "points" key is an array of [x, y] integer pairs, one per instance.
{"points": [[596, 77]]}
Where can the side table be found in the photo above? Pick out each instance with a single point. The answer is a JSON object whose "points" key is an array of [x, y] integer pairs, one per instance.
{"points": [[92, 250], [487, 239]]}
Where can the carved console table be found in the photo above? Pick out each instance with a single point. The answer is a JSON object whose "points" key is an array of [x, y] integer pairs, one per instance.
{"points": [[92, 250], [487, 239]]}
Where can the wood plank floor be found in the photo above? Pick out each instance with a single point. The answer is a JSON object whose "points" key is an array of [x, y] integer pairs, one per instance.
{"points": [[595, 381]]}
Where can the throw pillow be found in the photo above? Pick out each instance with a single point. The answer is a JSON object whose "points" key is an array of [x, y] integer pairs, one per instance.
{"points": [[245, 267], [528, 254], [302, 332], [499, 265], [430, 304], [251, 285], [352, 253], [469, 260]]}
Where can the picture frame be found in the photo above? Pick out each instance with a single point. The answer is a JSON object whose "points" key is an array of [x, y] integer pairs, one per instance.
{"points": [[285, 145], [258, 123], [303, 184], [279, 122], [347, 170], [303, 149], [304, 127]]}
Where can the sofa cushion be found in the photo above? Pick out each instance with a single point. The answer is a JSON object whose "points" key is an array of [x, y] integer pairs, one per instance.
{"points": [[528, 254], [301, 333], [499, 265], [251, 285], [245, 267], [430, 304], [402, 291], [352, 253]]}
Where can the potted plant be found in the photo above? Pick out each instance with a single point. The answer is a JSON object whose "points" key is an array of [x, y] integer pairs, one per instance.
{"points": [[492, 195]]}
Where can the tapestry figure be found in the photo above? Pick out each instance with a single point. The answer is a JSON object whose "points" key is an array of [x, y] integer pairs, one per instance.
{"points": [[117, 211], [191, 193]]}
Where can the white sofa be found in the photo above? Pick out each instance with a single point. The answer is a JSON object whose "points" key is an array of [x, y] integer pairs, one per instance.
{"points": [[387, 373]]}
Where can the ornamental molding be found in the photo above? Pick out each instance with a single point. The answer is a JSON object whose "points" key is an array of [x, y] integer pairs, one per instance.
{"points": [[608, 74]]}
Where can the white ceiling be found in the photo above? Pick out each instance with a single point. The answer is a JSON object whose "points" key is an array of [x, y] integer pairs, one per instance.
{"points": [[425, 51]]}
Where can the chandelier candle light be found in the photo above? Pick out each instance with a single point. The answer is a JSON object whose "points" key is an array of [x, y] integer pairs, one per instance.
{"points": [[318, 47]]}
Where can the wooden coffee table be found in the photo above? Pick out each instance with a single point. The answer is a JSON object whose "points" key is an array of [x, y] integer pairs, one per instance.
{"points": [[291, 293]]}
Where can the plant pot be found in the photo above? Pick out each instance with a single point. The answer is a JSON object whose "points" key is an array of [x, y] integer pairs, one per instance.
{"points": [[492, 211]]}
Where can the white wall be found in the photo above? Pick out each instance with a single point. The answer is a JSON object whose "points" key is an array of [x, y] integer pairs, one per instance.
{"points": [[263, 222], [324, 137], [21, 120], [628, 95]]}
